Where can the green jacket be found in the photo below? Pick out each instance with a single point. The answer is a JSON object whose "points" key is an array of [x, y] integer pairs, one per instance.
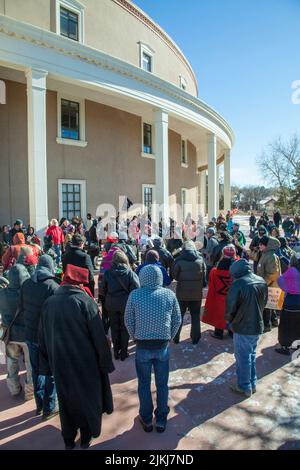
{"points": [[269, 264]]}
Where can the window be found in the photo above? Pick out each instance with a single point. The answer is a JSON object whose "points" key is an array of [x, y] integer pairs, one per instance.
{"points": [[70, 19], [72, 198], [184, 157], [147, 62], [69, 22], [146, 58], [182, 82], [183, 202], [147, 138], [70, 120], [148, 197]]}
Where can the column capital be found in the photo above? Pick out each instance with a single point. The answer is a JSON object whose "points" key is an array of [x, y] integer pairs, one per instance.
{"points": [[211, 137], [36, 78], [161, 115]]}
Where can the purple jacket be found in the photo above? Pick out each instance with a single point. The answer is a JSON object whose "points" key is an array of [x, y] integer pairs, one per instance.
{"points": [[289, 282]]}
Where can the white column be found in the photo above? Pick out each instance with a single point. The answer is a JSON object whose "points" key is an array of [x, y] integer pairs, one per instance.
{"points": [[37, 153], [212, 176], [202, 191], [162, 163], [227, 181], [218, 190]]}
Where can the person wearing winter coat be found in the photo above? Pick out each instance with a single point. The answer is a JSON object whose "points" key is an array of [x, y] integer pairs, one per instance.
{"points": [[218, 286], [12, 254], [77, 257], [224, 239], [34, 293], [152, 317], [165, 257], [252, 223], [190, 273], [289, 325], [17, 228], [288, 227], [57, 238], [10, 304], [269, 269], [277, 218], [297, 224], [208, 250], [254, 246], [245, 302], [123, 245], [284, 253], [116, 285], [93, 243], [75, 350], [152, 257]]}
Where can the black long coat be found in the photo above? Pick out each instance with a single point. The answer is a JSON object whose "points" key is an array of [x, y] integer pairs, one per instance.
{"points": [[74, 349]]}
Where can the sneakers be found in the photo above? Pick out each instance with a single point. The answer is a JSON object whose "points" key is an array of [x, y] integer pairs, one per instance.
{"points": [[267, 330], [49, 415], [253, 390], [38, 411], [235, 388], [146, 427]]}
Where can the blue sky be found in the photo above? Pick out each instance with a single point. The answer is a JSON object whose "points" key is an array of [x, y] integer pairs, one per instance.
{"points": [[246, 54]]}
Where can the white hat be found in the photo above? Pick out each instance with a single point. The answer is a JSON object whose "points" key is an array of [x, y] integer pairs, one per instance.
{"points": [[123, 236], [114, 235]]}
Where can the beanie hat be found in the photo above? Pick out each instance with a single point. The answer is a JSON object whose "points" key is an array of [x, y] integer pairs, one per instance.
{"points": [[18, 222], [123, 236], [119, 257], [229, 251], [211, 230], [264, 240]]}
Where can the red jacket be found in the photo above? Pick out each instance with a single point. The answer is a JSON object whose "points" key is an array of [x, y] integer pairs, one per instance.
{"points": [[57, 234], [214, 310]]}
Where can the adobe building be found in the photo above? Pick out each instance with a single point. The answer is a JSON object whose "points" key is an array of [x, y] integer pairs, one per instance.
{"points": [[100, 103]]}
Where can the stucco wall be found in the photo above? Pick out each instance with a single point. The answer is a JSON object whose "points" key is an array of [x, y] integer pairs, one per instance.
{"points": [[111, 29], [111, 163], [14, 202]]}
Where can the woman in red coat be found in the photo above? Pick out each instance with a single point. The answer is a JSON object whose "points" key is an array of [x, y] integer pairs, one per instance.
{"points": [[218, 286]]}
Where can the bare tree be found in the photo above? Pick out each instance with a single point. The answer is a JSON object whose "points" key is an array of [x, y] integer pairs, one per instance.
{"points": [[279, 164]]}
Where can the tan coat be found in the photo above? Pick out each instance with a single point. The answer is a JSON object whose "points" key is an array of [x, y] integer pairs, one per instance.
{"points": [[269, 264]]}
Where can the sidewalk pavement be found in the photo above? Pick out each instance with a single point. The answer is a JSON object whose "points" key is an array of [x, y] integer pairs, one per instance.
{"points": [[205, 414]]}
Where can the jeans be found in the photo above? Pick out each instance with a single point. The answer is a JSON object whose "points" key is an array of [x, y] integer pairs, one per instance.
{"points": [[144, 360], [245, 356], [57, 249], [44, 387], [194, 308], [14, 351]]}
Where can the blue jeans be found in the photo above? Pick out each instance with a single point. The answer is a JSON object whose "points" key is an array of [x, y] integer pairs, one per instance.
{"points": [[44, 387], [245, 356], [144, 360], [57, 249]]}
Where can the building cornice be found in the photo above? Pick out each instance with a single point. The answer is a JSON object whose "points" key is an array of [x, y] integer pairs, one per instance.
{"points": [[155, 28], [44, 39]]}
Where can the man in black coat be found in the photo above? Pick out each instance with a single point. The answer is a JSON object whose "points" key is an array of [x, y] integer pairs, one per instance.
{"points": [[75, 350], [277, 218], [77, 257], [34, 293], [190, 273], [245, 303], [165, 257]]}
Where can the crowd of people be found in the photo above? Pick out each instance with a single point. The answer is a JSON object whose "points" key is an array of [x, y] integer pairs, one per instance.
{"points": [[56, 318]]}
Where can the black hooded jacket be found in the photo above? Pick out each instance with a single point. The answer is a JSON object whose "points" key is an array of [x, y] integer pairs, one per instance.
{"points": [[246, 300], [189, 271]]}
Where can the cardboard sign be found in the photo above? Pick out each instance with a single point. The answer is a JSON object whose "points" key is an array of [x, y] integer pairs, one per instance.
{"points": [[275, 298]]}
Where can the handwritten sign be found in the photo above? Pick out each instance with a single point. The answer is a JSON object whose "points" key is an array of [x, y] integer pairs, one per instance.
{"points": [[275, 298]]}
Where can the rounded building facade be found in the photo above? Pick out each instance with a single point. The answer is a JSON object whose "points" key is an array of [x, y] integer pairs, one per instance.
{"points": [[100, 103]]}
